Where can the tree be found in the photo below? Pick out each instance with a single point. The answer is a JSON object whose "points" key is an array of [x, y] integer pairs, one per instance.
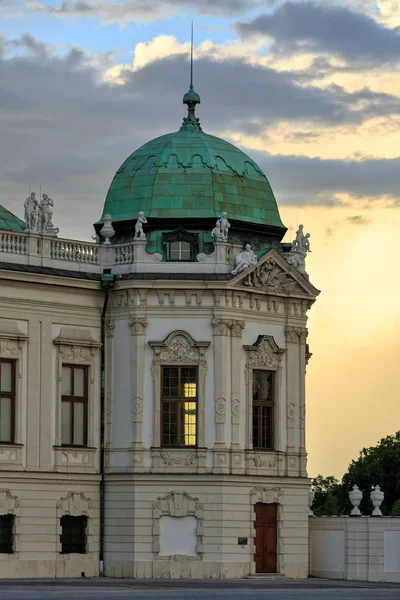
{"points": [[378, 465]]}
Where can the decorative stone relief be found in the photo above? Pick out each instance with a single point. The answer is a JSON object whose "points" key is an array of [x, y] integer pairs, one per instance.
{"points": [[291, 411], [137, 408], [8, 502], [271, 278], [75, 504], [74, 458], [221, 327], [237, 328], [8, 454], [138, 325], [180, 459], [266, 495], [177, 504], [235, 410], [198, 296], [8, 348], [295, 334], [264, 461], [75, 354], [162, 294], [220, 410], [110, 328], [264, 353]]}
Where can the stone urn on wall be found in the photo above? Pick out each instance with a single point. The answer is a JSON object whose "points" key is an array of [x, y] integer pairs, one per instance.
{"points": [[107, 231], [355, 498], [377, 497]]}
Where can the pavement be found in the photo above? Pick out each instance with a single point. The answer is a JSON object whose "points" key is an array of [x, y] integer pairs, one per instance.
{"points": [[247, 589]]}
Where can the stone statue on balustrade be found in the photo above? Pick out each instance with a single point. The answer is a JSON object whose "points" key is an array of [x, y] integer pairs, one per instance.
{"points": [[139, 233], [31, 207], [46, 226], [224, 225], [298, 251], [217, 233], [244, 260]]}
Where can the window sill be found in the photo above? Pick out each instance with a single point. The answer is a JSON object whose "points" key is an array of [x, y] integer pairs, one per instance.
{"points": [[10, 454]]}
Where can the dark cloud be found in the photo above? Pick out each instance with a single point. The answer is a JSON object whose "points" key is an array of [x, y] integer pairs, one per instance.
{"points": [[65, 129], [323, 28], [146, 10], [358, 220]]}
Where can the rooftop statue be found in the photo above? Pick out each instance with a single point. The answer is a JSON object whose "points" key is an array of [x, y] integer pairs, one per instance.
{"points": [[139, 233], [245, 259], [45, 225], [31, 207], [217, 233], [298, 251], [224, 225]]}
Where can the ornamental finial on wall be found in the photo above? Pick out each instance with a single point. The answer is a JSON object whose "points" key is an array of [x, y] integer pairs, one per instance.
{"points": [[139, 233]]}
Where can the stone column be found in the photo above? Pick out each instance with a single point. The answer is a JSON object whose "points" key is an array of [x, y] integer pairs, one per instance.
{"points": [[138, 325], [292, 400], [221, 389], [237, 452]]}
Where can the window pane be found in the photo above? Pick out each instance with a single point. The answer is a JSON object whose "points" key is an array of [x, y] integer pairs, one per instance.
{"points": [[79, 382], [66, 381], [6, 377], [5, 419], [189, 382], [174, 251], [170, 424], [170, 382], [262, 386], [66, 421], [185, 251], [189, 423], [79, 424]]}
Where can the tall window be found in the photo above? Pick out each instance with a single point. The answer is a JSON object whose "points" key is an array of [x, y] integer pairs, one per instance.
{"points": [[6, 534], [73, 535], [179, 406], [263, 410], [7, 400], [74, 405], [180, 251]]}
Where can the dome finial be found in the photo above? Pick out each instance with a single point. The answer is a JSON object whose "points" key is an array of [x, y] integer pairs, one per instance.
{"points": [[191, 98]]}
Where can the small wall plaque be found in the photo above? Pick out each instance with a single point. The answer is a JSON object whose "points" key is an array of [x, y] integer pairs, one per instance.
{"points": [[242, 541]]}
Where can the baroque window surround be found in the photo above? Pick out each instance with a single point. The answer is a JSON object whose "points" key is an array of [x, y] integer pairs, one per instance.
{"points": [[178, 504], [178, 349], [75, 504], [266, 355], [13, 347], [76, 347]]}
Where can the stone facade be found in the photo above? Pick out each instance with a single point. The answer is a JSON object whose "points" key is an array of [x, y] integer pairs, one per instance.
{"points": [[225, 328]]}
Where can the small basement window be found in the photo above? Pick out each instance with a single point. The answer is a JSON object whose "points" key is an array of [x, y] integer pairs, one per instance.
{"points": [[6, 534], [73, 535]]}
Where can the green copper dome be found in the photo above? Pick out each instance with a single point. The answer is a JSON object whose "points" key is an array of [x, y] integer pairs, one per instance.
{"points": [[190, 174], [10, 222]]}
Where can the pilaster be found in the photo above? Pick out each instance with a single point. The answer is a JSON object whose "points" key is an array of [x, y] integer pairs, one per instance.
{"points": [[222, 330], [138, 325], [237, 452]]}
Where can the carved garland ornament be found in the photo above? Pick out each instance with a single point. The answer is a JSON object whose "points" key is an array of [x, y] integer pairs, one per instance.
{"points": [[8, 502], [74, 504], [266, 495], [264, 353]]}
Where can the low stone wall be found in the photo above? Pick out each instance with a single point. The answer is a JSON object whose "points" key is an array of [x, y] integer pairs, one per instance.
{"points": [[358, 548]]}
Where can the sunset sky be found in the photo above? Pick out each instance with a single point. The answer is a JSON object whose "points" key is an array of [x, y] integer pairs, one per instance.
{"points": [[311, 90]]}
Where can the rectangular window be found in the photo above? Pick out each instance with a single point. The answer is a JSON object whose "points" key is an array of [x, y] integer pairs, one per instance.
{"points": [[263, 410], [6, 534], [73, 535], [74, 405], [7, 400], [179, 406]]}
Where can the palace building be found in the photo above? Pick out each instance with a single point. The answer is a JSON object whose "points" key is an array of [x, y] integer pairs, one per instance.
{"points": [[152, 384]]}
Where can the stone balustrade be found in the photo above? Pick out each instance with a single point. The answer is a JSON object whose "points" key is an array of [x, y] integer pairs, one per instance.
{"points": [[75, 255]]}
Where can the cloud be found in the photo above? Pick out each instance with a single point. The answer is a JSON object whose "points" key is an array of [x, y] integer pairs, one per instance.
{"points": [[145, 10], [323, 28], [68, 130], [358, 220]]}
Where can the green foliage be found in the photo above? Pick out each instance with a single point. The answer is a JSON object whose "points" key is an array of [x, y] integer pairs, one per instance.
{"points": [[396, 508], [378, 465]]}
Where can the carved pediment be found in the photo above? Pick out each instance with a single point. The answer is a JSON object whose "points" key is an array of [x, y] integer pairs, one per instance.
{"points": [[273, 275], [179, 347], [264, 353]]}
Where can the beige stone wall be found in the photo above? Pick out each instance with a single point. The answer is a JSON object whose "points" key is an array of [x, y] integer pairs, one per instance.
{"points": [[228, 513], [37, 503], [358, 548]]}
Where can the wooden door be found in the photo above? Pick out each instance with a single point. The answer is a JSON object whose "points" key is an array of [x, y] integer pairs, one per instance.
{"points": [[266, 537]]}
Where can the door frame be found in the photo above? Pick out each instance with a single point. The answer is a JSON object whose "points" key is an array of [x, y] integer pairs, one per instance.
{"points": [[266, 496]]}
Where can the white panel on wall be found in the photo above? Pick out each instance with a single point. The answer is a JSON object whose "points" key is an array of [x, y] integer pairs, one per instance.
{"points": [[328, 550], [178, 535], [392, 551]]}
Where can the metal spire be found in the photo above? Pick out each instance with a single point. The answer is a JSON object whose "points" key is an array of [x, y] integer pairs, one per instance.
{"points": [[191, 98]]}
